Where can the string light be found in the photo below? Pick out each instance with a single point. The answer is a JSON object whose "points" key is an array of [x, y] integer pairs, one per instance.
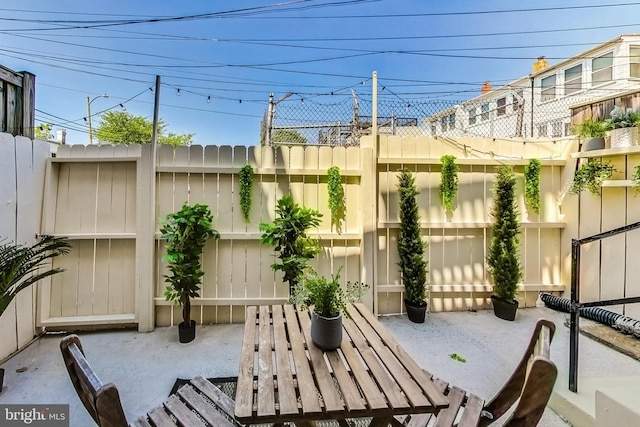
{"points": [[151, 89], [178, 91], [240, 101], [302, 101], [209, 99], [123, 107]]}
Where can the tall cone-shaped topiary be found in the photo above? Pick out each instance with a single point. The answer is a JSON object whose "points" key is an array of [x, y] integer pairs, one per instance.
{"points": [[413, 266], [504, 255]]}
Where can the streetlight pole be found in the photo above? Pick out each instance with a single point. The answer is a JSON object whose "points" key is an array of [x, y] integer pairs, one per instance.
{"points": [[89, 101]]}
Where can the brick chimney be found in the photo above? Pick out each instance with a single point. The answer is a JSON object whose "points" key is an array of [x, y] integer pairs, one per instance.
{"points": [[540, 64], [486, 87]]}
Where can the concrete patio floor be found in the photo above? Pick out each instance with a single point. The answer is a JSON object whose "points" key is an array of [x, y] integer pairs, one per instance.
{"points": [[144, 366]]}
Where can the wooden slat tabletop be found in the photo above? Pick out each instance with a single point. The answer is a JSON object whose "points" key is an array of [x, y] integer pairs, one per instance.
{"points": [[283, 376]]}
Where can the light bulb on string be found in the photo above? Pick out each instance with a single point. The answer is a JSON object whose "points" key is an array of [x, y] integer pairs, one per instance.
{"points": [[178, 92], [123, 107], [209, 99]]}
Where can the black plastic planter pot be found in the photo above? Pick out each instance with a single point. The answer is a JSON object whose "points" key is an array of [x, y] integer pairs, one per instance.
{"points": [[416, 313], [326, 332], [504, 309], [187, 333]]}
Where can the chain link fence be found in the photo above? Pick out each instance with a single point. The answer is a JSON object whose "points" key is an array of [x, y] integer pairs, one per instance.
{"points": [[504, 113]]}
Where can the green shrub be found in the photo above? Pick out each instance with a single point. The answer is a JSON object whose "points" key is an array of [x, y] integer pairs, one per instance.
{"points": [[246, 190], [532, 186], [448, 181], [336, 197]]}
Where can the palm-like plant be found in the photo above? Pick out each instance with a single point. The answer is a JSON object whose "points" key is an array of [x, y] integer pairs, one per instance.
{"points": [[22, 266]]}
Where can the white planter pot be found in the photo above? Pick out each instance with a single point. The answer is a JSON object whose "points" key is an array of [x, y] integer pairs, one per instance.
{"points": [[624, 137]]}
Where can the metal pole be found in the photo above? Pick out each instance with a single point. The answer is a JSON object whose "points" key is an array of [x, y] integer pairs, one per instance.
{"points": [[89, 120], [156, 107], [531, 107], [269, 124], [374, 107], [574, 325]]}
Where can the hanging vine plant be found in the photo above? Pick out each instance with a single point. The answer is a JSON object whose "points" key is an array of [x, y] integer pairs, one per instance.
{"points": [[636, 179], [246, 190], [448, 181], [532, 186], [336, 197]]}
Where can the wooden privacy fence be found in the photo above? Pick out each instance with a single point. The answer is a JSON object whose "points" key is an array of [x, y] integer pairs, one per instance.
{"points": [[110, 201], [17, 102]]}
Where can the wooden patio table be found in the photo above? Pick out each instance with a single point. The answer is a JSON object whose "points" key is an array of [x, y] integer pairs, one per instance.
{"points": [[284, 377]]}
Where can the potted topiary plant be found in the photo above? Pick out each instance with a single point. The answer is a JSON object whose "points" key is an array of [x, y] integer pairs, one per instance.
{"points": [[413, 267], [329, 301], [22, 266], [622, 127], [288, 234], [503, 258], [592, 133], [590, 175], [186, 233]]}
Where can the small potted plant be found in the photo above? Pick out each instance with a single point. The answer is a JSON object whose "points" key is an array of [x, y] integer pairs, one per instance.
{"points": [[590, 175], [186, 233], [622, 127], [22, 266], [592, 133], [288, 235], [503, 258], [328, 301], [413, 266]]}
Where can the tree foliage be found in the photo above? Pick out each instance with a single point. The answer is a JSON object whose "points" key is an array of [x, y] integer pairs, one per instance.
{"points": [[287, 136], [503, 258], [120, 127], [44, 131]]}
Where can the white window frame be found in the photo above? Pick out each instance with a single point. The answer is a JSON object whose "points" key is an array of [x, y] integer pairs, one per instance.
{"points": [[605, 69], [548, 88], [484, 112], [573, 79], [634, 61], [473, 115], [501, 106]]}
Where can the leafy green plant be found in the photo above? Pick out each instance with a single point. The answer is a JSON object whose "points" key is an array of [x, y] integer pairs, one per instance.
{"points": [[532, 186], [620, 118], [503, 258], [186, 233], [288, 234], [413, 267], [448, 181], [458, 358], [590, 128], [327, 297], [636, 178], [246, 190], [590, 175], [336, 197], [22, 266]]}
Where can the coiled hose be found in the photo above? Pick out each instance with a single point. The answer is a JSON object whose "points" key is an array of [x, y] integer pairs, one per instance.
{"points": [[617, 321]]}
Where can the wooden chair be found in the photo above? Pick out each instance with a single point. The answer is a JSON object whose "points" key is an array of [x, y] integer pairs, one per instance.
{"points": [[198, 403], [530, 384]]}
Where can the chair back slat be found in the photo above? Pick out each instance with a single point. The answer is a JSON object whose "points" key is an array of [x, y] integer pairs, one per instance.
{"points": [[102, 401], [539, 345]]}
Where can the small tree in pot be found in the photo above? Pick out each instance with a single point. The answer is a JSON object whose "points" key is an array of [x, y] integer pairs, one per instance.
{"points": [[503, 258], [186, 232], [413, 267]]}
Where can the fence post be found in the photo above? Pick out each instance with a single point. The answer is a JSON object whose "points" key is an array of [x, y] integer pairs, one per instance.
{"points": [[574, 325]]}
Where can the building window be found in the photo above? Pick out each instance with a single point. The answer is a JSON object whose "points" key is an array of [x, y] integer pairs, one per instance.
{"points": [[518, 100], [433, 128], [634, 61], [484, 110], [472, 116], [573, 79], [567, 129], [501, 106], [443, 123], [601, 68], [556, 129], [452, 121], [542, 130], [548, 88]]}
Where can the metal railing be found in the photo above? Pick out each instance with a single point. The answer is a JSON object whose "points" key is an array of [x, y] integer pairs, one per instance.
{"points": [[576, 305]]}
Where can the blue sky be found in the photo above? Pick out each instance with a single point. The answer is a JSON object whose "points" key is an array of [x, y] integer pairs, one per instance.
{"points": [[320, 50]]}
